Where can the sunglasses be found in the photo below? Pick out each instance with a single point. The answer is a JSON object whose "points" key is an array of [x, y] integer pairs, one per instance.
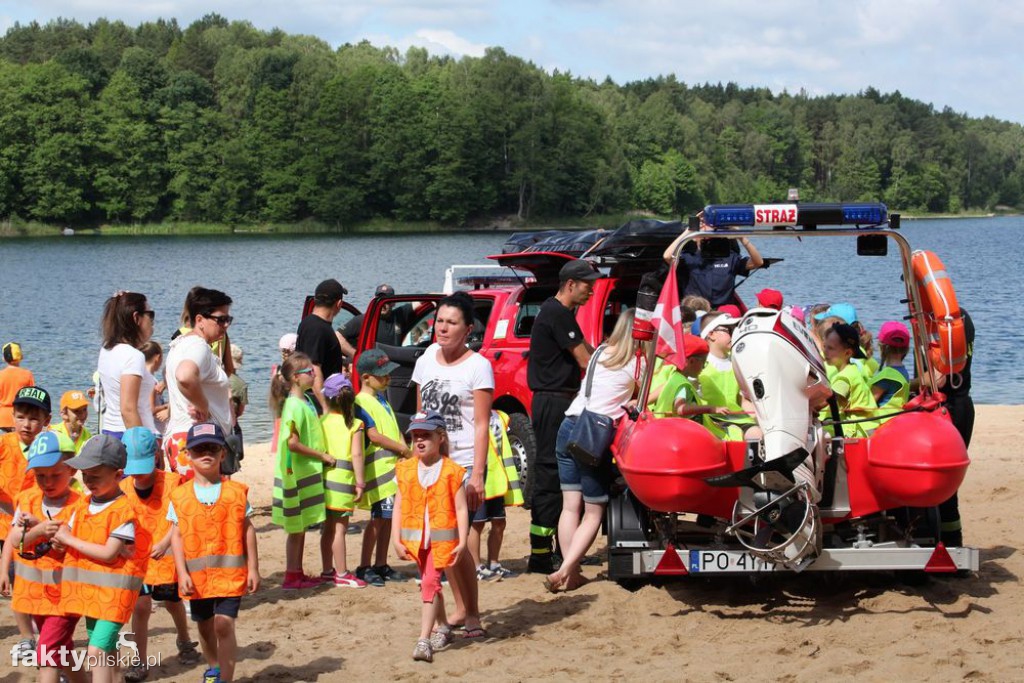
{"points": [[149, 314], [222, 320], [206, 449], [36, 552], [304, 371]]}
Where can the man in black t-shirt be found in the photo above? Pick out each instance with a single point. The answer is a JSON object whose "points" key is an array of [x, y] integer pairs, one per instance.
{"points": [[317, 338], [558, 353]]}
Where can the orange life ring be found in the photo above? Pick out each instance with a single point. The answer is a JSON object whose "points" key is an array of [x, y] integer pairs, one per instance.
{"points": [[947, 341]]}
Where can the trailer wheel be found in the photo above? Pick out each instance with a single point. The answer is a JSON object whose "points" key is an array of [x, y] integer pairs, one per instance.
{"points": [[524, 451]]}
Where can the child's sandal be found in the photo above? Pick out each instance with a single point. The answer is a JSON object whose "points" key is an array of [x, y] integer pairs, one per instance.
{"points": [[441, 638]]}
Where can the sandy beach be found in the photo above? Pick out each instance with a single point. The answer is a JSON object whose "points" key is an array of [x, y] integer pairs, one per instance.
{"points": [[790, 628]]}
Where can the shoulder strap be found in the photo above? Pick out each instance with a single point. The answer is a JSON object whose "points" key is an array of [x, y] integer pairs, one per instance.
{"points": [[590, 370]]}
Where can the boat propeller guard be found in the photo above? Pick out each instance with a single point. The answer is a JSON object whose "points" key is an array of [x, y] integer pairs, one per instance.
{"points": [[781, 528]]}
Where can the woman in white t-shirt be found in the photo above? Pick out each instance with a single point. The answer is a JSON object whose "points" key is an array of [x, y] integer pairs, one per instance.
{"points": [[585, 488], [126, 385], [458, 383], [198, 389]]}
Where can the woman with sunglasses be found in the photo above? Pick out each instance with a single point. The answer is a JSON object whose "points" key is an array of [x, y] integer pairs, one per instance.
{"points": [[197, 386], [126, 384]]}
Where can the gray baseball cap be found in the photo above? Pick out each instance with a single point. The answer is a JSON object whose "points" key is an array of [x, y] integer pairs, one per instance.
{"points": [[101, 449]]}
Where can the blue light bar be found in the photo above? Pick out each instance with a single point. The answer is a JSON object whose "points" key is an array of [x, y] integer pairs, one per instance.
{"points": [[770, 215]]}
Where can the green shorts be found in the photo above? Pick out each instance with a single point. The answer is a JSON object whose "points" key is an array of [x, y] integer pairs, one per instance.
{"points": [[103, 634]]}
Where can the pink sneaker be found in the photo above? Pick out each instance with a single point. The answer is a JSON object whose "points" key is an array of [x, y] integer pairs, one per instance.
{"points": [[298, 581], [348, 580]]}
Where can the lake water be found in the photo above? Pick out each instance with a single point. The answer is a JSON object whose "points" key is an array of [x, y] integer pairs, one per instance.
{"points": [[52, 290]]}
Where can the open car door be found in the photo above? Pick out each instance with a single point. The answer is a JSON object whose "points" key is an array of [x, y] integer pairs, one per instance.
{"points": [[348, 311], [402, 326]]}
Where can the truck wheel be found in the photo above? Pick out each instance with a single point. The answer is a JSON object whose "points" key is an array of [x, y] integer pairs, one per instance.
{"points": [[524, 451]]}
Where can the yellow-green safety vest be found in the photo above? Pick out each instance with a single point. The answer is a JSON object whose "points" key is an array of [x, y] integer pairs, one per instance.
{"points": [[502, 478], [340, 480], [670, 379], [902, 395], [379, 462]]}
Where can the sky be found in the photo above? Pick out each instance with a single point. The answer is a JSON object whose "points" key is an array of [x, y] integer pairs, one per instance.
{"points": [[966, 55]]}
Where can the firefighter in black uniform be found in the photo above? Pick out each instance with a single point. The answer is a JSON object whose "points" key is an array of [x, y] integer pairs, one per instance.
{"points": [[558, 353]]}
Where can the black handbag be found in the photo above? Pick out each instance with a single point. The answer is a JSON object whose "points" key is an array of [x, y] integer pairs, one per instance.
{"points": [[593, 433]]}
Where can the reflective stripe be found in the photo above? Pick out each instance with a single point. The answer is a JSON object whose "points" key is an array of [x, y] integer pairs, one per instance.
{"points": [[540, 551], [932, 276], [378, 454], [215, 562], [309, 481], [541, 531], [102, 579], [381, 480], [285, 493], [303, 504], [338, 487], [344, 465], [50, 577], [436, 535]]}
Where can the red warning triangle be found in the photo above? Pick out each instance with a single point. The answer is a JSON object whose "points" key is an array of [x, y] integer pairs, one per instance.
{"points": [[940, 562], [671, 564]]}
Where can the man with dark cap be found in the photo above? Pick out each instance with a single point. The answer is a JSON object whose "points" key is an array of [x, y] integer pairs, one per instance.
{"points": [[317, 338], [558, 353]]}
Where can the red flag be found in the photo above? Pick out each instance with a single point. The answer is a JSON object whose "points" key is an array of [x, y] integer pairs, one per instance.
{"points": [[668, 321]]}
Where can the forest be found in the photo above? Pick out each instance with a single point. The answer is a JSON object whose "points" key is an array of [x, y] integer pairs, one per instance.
{"points": [[222, 123]]}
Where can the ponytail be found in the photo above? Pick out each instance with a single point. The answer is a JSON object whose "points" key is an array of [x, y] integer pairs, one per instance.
{"points": [[281, 383]]}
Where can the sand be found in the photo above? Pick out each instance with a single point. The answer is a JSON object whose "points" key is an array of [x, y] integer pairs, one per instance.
{"points": [[793, 628]]}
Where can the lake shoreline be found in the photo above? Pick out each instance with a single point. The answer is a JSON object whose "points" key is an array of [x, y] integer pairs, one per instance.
{"points": [[498, 224]]}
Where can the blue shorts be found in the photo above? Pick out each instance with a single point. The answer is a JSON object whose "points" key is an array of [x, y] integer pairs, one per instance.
{"points": [[491, 509], [205, 608], [383, 509], [593, 482]]}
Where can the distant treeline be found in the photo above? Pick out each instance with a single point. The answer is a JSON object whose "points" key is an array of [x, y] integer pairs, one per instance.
{"points": [[220, 122]]}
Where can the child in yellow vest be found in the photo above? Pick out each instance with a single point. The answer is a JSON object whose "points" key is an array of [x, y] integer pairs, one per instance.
{"points": [[433, 523], [39, 512], [842, 345], [501, 488], [298, 499], [214, 544], [149, 491], [74, 412], [102, 573], [384, 446], [890, 386], [344, 483]]}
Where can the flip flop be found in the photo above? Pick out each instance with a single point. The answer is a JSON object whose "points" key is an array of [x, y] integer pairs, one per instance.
{"points": [[475, 633]]}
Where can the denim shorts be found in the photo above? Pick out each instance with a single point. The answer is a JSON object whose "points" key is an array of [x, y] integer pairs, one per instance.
{"points": [[491, 509], [593, 482], [383, 509]]}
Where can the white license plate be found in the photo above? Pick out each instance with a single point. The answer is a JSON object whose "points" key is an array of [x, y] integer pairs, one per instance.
{"points": [[726, 561]]}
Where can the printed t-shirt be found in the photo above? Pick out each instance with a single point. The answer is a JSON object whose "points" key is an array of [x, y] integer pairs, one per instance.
{"points": [[713, 278], [448, 389]]}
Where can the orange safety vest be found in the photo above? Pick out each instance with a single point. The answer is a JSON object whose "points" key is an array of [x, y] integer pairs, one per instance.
{"points": [[439, 499], [152, 524], [13, 481], [94, 589], [213, 537], [37, 588]]}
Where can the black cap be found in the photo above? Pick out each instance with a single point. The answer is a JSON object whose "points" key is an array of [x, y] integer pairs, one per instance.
{"points": [[37, 397], [384, 290], [579, 269], [330, 290], [850, 338]]}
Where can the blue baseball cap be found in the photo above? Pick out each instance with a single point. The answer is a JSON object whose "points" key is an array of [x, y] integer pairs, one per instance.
{"points": [[205, 432], [427, 421], [141, 446], [845, 311], [44, 451]]}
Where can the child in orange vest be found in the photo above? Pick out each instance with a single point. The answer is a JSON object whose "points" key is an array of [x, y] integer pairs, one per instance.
{"points": [[40, 511], [102, 572], [149, 491], [214, 545], [31, 410], [433, 522]]}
